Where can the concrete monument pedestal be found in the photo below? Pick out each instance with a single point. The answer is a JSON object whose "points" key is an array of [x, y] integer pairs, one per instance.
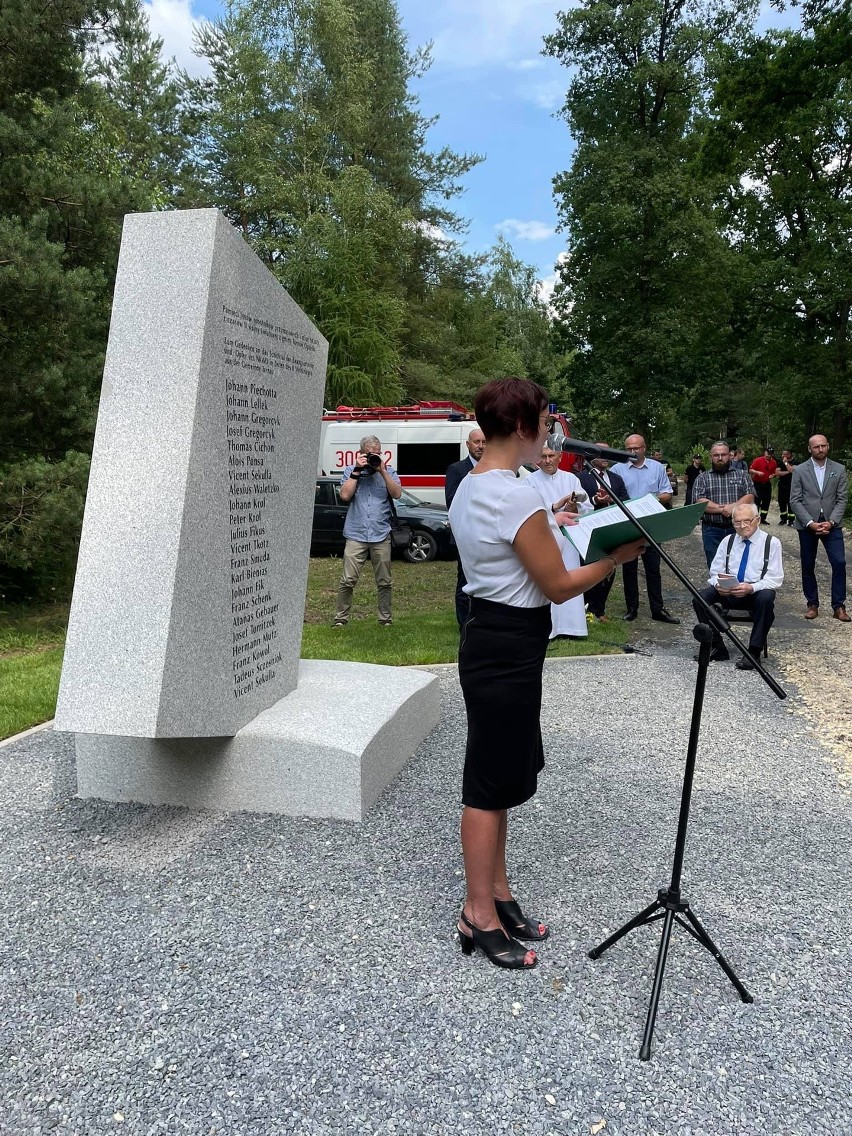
{"points": [[325, 750]]}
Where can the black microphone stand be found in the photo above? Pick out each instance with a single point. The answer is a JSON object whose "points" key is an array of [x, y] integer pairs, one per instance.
{"points": [[670, 906]]}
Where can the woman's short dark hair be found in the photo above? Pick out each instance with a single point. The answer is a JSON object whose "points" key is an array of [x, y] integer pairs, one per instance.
{"points": [[503, 406]]}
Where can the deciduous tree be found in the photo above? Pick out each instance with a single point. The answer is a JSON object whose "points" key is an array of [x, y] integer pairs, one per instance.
{"points": [[643, 289], [781, 136], [311, 142]]}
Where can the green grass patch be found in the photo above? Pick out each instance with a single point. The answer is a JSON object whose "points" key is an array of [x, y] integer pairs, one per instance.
{"points": [[31, 646], [424, 632], [424, 628], [28, 687]]}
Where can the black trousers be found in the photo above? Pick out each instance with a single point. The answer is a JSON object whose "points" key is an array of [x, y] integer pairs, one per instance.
{"points": [[630, 576], [760, 604], [596, 597], [763, 497], [784, 484]]}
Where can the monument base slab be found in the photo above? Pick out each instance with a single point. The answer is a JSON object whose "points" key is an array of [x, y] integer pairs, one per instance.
{"points": [[327, 749]]}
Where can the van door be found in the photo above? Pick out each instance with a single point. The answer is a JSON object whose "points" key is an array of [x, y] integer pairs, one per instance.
{"points": [[423, 452]]}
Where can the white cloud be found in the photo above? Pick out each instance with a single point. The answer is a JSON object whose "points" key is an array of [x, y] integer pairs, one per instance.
{"points": [[544, 288], [480, 32], [546, 285], [548, 95], [527, 64], [526, 230], [434, 232], [174, 22]]}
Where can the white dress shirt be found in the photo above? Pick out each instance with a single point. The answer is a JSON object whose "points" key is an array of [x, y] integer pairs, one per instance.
{"points": [[774, 577]]}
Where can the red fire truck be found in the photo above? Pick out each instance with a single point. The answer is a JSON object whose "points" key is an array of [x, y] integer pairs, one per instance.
{"points": [[419, 441]]}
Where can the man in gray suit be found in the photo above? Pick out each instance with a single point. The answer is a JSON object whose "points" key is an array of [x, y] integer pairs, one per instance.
{"points": [[818, 492]]}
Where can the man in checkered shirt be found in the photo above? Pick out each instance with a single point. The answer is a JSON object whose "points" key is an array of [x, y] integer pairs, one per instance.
{"points": [[722, 488]]}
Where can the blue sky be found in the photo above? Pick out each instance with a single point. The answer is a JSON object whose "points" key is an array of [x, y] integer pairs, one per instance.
{"points": [[495, 94]]}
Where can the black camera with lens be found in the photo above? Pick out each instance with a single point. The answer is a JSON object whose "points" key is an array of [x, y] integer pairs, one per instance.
{"points": [[374, 462]]}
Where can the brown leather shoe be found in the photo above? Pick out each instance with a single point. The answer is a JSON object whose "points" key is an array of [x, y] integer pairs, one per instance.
{"points": [[840, 613], [812, 612]]}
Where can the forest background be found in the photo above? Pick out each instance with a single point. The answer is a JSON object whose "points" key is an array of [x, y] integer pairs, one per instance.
{"points": [[705, 290]]}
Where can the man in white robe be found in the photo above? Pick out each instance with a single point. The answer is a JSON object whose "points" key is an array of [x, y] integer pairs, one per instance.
{"points": [[561, 492]]}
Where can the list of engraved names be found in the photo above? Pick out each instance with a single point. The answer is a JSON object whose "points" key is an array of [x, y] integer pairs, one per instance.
{"points": [[254, 351]]}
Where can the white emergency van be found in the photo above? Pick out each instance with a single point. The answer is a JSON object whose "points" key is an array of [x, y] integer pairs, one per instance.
{"points": [[419, 441]]}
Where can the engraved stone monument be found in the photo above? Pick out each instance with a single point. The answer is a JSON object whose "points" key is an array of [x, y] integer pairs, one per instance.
{"points": [[189, 599]]}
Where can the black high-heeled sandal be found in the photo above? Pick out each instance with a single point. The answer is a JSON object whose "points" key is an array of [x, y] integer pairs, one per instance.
{"points": [[499, 949], [517, 924]]}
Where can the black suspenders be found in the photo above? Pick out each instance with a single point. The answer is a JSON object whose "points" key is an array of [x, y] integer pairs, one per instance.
{"points": [[765, 553]]}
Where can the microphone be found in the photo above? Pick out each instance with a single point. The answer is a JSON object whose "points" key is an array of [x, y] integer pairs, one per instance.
{"points": [[588, 450]]}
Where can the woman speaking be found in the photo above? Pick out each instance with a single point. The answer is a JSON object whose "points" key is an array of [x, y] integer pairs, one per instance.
{"points": [[508, 544]]}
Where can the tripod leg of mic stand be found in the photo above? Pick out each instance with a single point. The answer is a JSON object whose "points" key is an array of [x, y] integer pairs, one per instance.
{"points": [[657, 988], [707, 942], [636, 921]]}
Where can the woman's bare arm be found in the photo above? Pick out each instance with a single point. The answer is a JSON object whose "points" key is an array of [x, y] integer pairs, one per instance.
{"points": [[539, 553]]}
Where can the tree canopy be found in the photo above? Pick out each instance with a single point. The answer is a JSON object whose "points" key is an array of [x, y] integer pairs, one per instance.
{"points": [[304, 131], [705, 289]]}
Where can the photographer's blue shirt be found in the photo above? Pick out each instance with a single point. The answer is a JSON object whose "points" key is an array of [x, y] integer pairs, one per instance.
{"points": [[369, 513]]}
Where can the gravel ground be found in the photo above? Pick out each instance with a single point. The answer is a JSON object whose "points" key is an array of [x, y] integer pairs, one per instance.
{"points": [[813, 659], [175, 972]]}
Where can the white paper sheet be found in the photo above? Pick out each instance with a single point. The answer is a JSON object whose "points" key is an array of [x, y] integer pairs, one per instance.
{"points": [[581, 533]]}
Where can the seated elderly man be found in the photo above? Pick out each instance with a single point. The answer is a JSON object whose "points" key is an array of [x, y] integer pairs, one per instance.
{"points": [[746, 572]]}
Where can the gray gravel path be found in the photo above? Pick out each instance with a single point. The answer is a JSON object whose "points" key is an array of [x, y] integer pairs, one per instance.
{"points": [[174, 972]]}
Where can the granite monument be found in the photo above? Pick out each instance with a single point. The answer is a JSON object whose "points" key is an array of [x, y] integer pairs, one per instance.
{"points": [[189, 598]]}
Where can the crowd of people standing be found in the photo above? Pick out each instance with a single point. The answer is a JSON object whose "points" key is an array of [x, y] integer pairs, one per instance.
{"points": [[522, 583], [765, 472], [812, 497], [525, 583]]}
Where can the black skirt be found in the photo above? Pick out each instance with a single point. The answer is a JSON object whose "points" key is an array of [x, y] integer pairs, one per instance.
{"points": [[501, 658]]}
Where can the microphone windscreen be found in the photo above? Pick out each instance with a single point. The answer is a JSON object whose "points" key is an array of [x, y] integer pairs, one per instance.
{"points": [[588, 450]]}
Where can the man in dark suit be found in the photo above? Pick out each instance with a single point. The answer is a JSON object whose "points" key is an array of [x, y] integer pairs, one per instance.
{"points": [[453, 479], [818, 493], [597, 596]]}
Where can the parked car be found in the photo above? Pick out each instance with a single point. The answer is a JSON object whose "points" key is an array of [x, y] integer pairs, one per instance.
{"points": [[432, 537]]}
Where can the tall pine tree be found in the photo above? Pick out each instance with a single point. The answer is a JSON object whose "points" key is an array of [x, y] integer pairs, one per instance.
{"points": [[62, 198], [139, 111]]}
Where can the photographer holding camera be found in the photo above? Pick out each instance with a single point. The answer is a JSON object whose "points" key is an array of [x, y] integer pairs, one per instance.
{"points": [[367, 487]]}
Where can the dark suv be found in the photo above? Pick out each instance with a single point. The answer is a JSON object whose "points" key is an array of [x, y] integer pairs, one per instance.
{"points": [[431, 526]]}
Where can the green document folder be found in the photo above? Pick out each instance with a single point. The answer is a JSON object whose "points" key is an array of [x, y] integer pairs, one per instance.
{"points": [[669, 525]]}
